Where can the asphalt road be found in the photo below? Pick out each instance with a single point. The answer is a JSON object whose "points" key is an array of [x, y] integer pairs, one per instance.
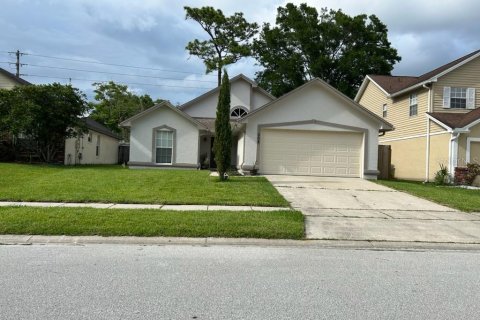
{"points": [[228, 282]]}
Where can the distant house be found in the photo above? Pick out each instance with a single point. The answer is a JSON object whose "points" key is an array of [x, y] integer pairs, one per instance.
{"points": [[436, 116], [99, 145], [312, 130], [9, 80]]}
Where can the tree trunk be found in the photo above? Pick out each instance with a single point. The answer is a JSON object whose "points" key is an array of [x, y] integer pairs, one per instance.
{"points": [[219, 76]]}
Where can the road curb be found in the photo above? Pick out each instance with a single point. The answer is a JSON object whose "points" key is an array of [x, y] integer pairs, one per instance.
{"points": [[162, 241]]}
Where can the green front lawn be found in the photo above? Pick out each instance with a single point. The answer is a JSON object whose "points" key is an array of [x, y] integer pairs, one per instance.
{"points": [[19, 182], [149, 223], [458, 198]]}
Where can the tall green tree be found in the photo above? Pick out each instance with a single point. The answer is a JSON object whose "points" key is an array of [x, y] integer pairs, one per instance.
{"points": [[331, 45], [223, 131], [115, 103], [46, 114], [229, 38]]}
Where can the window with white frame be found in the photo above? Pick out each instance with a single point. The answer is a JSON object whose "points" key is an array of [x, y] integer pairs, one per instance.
{"points": [[458, 98], [384, 110], [164, 146], [238, 112], [413, 105]]}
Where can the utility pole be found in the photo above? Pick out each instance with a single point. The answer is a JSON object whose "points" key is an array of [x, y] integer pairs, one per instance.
{"points": [[17, 64]]}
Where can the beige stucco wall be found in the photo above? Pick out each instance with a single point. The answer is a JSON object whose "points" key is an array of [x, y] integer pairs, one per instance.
{"points": [[466, 76], [259, 98], [313, 102], [409, 156], [186, 137], [108, 149]]}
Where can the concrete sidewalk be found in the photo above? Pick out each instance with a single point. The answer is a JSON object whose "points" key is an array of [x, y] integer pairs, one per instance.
{"points": [[140, 206]]}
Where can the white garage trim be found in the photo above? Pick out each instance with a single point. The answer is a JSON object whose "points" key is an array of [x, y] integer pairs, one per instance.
{"points": [[314, 121]]}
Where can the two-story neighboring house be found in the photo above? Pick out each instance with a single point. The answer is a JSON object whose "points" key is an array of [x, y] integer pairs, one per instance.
{"points": [[436, 116]]}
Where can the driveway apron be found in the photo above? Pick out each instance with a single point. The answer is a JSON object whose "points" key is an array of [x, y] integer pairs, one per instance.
{"points": [[357, 209]]}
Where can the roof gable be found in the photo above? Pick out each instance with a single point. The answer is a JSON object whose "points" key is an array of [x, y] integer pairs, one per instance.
{"points": [[384, 124], [100, 128], [240, 77], [396, 85], [456, 120], [165, 104]]}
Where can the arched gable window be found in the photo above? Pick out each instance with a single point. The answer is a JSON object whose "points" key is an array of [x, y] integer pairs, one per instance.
{"points": [[238, 112]]}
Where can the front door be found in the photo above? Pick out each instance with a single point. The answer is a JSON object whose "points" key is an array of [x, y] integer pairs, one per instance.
{"points": [[213, 164]]}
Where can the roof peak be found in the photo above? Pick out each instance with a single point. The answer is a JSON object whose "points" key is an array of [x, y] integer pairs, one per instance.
{"points": [[392, 87]]}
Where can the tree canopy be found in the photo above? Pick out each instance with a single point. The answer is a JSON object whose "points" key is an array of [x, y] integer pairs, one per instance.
{"points": [[331, 45], [45, 114], [223, 131], [229, 38], [115, 103]]}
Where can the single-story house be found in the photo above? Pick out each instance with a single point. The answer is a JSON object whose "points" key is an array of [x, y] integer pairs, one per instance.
{"points": [[312, 130], [98, 145]]}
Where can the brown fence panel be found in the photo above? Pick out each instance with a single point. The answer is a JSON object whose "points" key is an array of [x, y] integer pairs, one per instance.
{"points": [[384, 161]]}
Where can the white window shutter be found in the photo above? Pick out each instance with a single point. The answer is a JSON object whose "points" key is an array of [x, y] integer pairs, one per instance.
{"points": [[470, 98], [446, 97]]}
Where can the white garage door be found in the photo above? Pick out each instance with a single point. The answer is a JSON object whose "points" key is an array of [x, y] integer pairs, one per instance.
{"points": [[317, 153]]}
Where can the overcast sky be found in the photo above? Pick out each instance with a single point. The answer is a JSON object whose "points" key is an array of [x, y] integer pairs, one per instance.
{"points": [[153, 34]]}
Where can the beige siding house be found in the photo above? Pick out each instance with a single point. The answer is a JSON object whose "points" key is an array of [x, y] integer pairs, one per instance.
{"points": [[312, 130], [9, 80], [435, 116]]}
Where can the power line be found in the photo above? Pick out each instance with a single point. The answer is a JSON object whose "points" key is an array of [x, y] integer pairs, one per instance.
{"points": [[115, 73], [114, 64], [127, 83]]}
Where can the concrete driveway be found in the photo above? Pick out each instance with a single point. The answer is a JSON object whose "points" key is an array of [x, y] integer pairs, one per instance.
{"points": [[356, 209]]}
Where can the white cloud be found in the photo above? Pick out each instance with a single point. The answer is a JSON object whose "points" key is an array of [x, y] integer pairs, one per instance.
{"points": [[153, 33]]}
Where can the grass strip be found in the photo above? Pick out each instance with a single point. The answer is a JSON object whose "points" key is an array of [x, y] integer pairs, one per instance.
{"points": [[113, 183], [454, 197], [150, 223]]}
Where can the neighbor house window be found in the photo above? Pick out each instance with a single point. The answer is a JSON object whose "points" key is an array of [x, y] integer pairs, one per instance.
{"points": [[97, 148], [238, 113], [413, 105], [164, 146], [89, 138], [458, 98], [384, 110]]}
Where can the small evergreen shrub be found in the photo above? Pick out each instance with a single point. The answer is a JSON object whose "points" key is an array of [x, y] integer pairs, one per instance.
{"points": [[442, 176]]}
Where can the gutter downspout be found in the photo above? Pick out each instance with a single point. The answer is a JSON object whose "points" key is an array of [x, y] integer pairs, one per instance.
{"points": [[427, 149]]}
